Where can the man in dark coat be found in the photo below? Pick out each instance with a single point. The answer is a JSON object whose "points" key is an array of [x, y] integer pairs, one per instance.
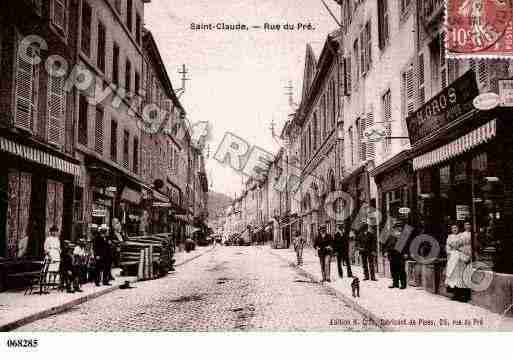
{"points": [[396, 257], [368, 250], [324, 245], [341, 246], [103, 255]]}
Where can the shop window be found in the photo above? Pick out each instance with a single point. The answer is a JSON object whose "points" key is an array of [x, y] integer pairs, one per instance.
{"points": [[54, 205], [17, 225]]}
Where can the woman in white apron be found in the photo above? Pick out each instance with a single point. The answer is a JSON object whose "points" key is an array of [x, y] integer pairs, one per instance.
{"points": [[458, 249]]}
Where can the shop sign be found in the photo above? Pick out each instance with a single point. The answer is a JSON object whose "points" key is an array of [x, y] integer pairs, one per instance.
{"points": [[99, 213], [375, 133], [451, 103], [404, 210], [486, 101], [506, 92], [462, 212]]}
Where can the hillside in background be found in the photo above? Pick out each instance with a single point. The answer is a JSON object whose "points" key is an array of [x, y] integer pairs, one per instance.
{"points": [[217, 202]]}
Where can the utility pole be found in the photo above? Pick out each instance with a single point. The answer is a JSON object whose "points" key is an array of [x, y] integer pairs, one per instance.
{"points": [[184, 78]]}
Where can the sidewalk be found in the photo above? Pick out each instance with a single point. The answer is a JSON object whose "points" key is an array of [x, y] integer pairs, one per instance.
{"points": [[394, 309], [17, 309]]}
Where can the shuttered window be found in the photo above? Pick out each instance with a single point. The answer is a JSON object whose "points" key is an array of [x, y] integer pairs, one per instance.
{"points": [[100, 61], [370, 145], [387, 119], [135, 153], [351, 144], [83, 107], [114, 140], [334, 103], [453, 70], [59, 14], [56, 106], [27, 81], [129, 14], [422, 80], [126, 148], [442, 62], [86, 28], [115, 65], [324, 116], [98, 130], [408, 89], [138, 23], [362, 145], [368, 46], [356, 56], [347, 82], [128, 75], [383, 19]]}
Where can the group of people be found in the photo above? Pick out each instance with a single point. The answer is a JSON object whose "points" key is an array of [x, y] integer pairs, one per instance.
{"points": [[327, 246], [73, 264], [458, 249]]}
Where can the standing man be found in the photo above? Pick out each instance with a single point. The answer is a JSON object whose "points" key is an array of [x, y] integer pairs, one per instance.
{"points": [[368, 244], [324, 245], [103, 256], [341, 246], [396, 257]]}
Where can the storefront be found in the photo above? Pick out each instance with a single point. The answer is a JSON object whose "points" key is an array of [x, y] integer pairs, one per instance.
{"points": [[395, 181], [357, 185], [36, 184], [463, 164]]}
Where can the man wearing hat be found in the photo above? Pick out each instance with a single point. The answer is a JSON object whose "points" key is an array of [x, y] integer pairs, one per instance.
{"points": [[341, 246], [103, 255], [324, 245]]}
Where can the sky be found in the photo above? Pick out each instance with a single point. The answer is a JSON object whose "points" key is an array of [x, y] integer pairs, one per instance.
{"points": [[237, 78]]}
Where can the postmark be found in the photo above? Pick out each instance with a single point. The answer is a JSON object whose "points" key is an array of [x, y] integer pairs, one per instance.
{"points": [[479, 28]]}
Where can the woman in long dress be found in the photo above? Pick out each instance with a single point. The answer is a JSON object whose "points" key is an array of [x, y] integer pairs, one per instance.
{"points": [[52, 248], [458, 256]]}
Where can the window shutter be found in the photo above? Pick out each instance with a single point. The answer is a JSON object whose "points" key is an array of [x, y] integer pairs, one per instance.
{"points": [[26, 90], [347, 76], [56, 105], [387, 118], [59, 13], [452, 70], [98, 131], [371, 146], [361, 139], [482, 73], [368, 46], [421, 78], [443, 63], [410, 91]]}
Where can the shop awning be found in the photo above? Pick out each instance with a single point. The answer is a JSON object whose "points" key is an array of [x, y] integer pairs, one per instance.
{"points": [[463, 144], [183, 218], [39, 156]]}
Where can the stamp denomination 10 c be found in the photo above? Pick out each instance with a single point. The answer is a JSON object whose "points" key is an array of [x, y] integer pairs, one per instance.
{"points": [[479, 28]]}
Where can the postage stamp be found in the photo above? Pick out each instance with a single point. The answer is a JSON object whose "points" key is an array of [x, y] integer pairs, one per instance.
{"points": [[479, 28]]}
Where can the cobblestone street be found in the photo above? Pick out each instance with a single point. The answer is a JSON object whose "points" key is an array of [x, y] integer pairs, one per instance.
{"points": [[230, 288]]}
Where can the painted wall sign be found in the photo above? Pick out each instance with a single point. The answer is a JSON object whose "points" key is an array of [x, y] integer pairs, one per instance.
{"points": [[452, 102]]}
